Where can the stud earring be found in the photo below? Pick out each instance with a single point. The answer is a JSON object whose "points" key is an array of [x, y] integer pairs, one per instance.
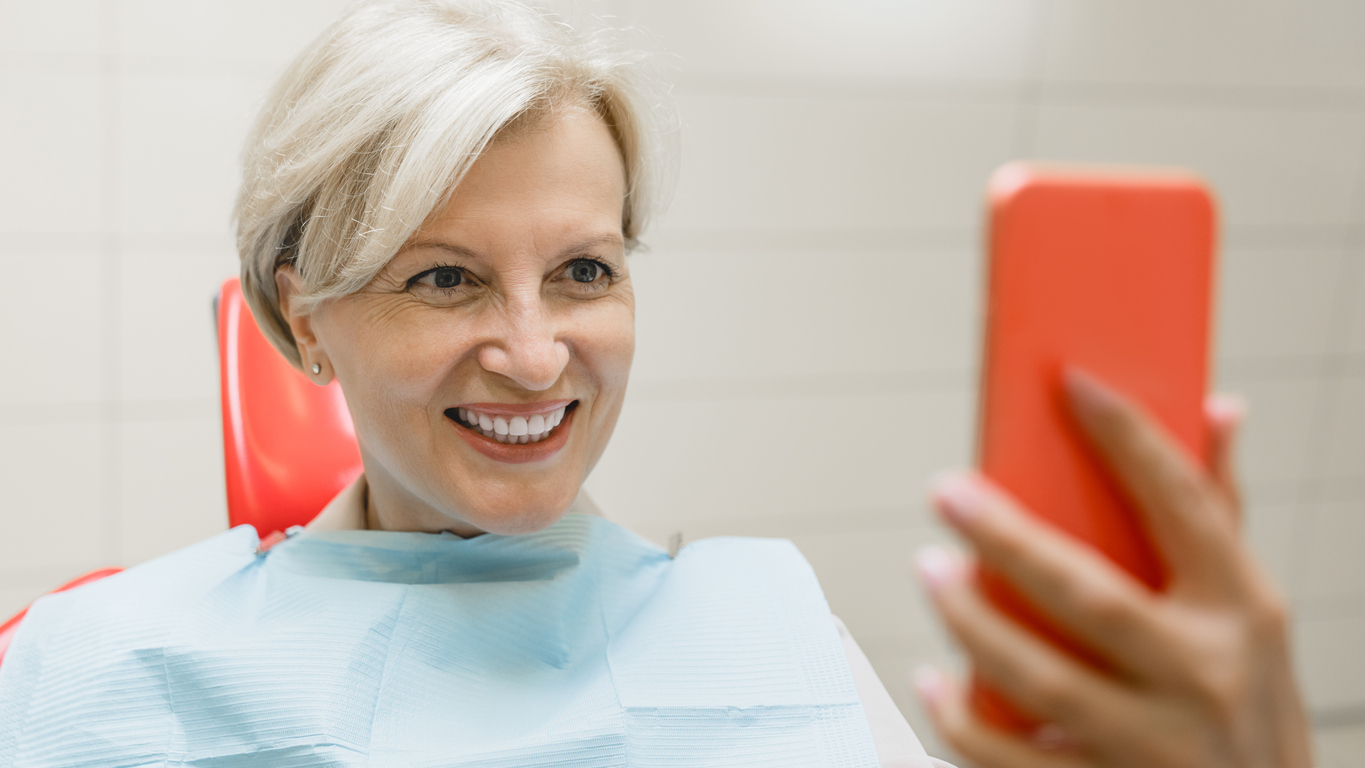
{"points": [[317, 368]]}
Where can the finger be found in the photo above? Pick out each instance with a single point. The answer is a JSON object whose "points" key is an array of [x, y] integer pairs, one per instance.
{"points": [[984, 746], [1183, 511], [1025, 668], [1099, 604], [1224, 415]]}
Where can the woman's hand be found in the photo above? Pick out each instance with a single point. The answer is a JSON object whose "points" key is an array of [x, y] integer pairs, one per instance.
{"points": [[1201, 674]]}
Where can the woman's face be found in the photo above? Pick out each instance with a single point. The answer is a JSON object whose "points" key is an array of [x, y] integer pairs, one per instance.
{"points": [[512, 309]]}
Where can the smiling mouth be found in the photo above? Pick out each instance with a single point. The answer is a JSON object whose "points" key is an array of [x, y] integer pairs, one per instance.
{"points": [[513, 430]]}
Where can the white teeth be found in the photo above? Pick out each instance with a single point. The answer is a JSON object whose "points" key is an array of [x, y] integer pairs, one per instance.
{"points": [[516, 430]]}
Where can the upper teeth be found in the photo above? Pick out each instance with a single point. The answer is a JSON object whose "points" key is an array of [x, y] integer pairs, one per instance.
{"points": [[517, 429]]}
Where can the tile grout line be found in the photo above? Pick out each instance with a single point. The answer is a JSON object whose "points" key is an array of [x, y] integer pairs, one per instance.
{"points": [[1341, 716], [110, 364], [903, 89], [939, 90], [1304, 517], [907, 239], [1028, 100]]}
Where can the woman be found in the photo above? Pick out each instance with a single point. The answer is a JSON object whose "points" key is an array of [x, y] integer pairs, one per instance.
{"points": [[436, 211]]}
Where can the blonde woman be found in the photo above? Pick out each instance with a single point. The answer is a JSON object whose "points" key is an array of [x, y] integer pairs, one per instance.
{"points": [[437, 207]]}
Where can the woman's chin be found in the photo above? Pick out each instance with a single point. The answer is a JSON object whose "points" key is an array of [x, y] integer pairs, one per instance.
{"points": [[520, 513], [515, 523]]}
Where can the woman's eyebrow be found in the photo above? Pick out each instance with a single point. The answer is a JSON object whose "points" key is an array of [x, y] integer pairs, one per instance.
{"points": [[458, 250], [579, 248], [586, 246]]}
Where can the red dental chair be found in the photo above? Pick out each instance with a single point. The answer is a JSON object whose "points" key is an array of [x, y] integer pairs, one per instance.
{"points": [[288, 444]]}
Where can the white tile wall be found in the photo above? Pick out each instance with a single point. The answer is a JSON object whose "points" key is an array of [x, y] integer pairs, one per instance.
{"points": [[165, 320], [1354, 335], [51, 128], [753, 162], [50, 313], [865, 39], [1328, 661], [1344, 456], [1271, 301], [1271, 166], [819, 267], [1268, 528], [1276, 439], [1228, 43], [223, 29], [62, 28], [852, 313], [56, 508], [180, 132], [170, 485], [1335, 568], [1341, 746]]}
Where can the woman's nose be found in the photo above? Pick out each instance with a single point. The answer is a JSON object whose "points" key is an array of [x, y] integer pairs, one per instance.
{"points": [[527, 351]]}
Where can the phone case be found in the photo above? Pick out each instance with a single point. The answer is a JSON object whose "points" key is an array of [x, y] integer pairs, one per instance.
{"points": [[1108, 269]]}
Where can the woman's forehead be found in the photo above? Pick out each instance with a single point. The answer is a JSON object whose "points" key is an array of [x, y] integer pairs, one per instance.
{"points": [[562, 186], [568, 160]]}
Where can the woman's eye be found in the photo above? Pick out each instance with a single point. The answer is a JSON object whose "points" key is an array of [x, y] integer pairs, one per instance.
{"points": [[443, 278], [446, 277], [584, 271]]}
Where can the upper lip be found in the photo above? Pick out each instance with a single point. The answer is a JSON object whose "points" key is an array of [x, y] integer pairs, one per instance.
{"points": [[515, 409]]}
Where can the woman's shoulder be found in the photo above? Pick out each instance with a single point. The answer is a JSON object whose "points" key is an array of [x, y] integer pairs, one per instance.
{"points": [[148, 594]]}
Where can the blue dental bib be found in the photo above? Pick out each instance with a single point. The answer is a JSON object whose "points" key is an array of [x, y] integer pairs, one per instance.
{"points": [[579, 645]]}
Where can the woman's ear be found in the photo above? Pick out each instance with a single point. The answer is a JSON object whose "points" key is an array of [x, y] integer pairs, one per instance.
{"points": [[316, 366]]}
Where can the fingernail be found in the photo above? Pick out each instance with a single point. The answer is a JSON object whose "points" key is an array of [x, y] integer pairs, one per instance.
{"points": [[930, 685], [1087, 392], [1226, 408], [936, 566], [1052, 736], [959, 496]]}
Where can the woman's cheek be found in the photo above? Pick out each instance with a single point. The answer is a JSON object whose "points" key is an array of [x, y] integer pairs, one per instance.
{"points": [[412, 362], [610, 336]]}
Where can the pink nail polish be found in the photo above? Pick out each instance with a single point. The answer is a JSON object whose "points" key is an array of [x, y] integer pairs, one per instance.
{"points": [[929, 684], [960, 498], [1226, 408], [936, 566]]}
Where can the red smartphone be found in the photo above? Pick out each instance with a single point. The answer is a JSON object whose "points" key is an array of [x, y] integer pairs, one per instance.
{"points": [[1108, 269]]}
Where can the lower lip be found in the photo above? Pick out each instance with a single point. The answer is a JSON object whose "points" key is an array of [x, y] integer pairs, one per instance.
{"points": [[518, 454]]}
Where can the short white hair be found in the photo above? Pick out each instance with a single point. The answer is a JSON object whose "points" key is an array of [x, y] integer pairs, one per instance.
{"points": [[371, 128]]}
